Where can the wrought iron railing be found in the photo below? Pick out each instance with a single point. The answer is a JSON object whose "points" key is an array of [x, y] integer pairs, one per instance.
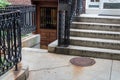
{"points": [[15, 20], [28, 16], [67, 10], [10, 40]]}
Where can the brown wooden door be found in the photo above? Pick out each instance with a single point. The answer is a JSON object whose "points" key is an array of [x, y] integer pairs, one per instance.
{"points": [[48, 25], [47, 36]]}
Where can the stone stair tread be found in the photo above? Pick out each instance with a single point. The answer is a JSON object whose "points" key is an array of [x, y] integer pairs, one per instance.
{"points": [[98, 16], [94, 31], [111, 51], [100, 24], [96, 40]]}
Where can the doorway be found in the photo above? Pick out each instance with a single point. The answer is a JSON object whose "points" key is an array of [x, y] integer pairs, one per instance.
{"points": [[92, 6]]}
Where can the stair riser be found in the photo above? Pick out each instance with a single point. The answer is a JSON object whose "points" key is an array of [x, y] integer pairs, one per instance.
{"points": [[87, 53], [95, 27], [97, 20], [95, 44], [94, 54], [95, 35]]}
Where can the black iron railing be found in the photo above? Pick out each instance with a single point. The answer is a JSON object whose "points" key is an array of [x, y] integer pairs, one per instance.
{"points": [[10, 40], [15, 20], [28, 16], [67, 10]]}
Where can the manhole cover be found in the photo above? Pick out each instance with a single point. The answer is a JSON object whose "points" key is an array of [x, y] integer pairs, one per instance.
{"points": [[82, 61]]}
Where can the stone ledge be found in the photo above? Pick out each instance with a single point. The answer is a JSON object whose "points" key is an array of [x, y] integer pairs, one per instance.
{"points": [[21, 74], [30, 40], [52, 46]]}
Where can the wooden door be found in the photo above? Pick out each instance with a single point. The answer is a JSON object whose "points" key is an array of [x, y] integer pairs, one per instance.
{"points": [[48, 25]]}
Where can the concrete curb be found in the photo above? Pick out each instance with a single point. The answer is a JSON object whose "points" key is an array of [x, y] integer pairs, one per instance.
{"points": [[52, 46], [30, 40]]}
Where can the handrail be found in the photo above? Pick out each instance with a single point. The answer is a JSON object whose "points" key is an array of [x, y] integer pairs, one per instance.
{"points": [[28, 16], [68, 9], [10, 41], [15, 20]]}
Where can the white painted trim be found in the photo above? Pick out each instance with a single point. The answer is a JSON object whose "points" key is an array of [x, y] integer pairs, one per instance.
{"points": [[88, 2], [100, 10]]}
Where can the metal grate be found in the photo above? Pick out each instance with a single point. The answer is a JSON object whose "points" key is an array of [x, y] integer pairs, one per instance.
{"points": [[48, 18]]}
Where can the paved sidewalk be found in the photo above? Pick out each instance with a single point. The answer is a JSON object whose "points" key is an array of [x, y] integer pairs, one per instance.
{"points": [[48, 66]]}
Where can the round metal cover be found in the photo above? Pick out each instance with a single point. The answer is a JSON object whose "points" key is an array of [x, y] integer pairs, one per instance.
{"points": [[82, 61]]}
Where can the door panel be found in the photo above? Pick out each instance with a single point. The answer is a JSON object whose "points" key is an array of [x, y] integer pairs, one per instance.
{"points": [[48, 25]]}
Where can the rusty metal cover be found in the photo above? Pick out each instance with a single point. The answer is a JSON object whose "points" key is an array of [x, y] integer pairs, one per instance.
{"points": [[82, 61]]}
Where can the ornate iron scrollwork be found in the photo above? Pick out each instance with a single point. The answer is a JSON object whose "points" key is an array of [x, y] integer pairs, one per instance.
{"points": [[10, 40]]}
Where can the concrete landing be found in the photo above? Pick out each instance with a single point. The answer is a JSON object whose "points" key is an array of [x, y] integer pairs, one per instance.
{"points": [[49, 66], [21, 74]]}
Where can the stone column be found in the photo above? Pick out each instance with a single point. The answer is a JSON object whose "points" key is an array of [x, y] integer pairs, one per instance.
{"points": [[84, 5]]}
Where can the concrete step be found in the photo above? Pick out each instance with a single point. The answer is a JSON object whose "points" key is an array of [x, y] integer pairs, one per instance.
{"points": [[89, 52], [95, 42], [97, 19], [95, 34], [95, 26]]}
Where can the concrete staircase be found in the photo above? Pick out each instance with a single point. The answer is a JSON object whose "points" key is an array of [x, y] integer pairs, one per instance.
{"points": [[94, 36]]}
